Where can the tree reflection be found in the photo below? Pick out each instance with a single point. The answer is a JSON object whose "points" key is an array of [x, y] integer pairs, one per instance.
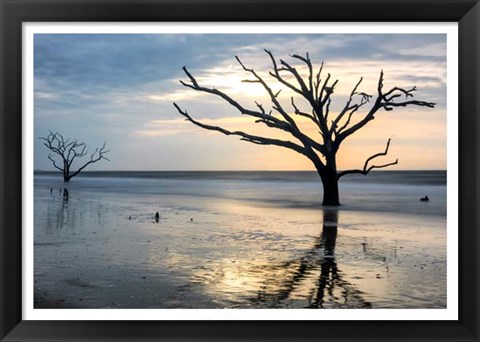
{"points": [[314, 276], [58, 212]]}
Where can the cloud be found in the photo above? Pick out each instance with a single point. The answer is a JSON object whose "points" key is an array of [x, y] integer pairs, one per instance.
{"points": [[428, 50], [120, 88], [45, 95], [172, 96]]}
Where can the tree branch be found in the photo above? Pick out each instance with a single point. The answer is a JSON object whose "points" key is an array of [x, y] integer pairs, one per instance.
{"points": [[347, 106], [54, 162], [93, 159], [288, 124], [244, 136], [273, 97], [385, 101], [366, 169], [388, 106], [308, 62], [276, 74], [354, 109], [317, 83], [304, 91], [259, 115], [307, 115]]}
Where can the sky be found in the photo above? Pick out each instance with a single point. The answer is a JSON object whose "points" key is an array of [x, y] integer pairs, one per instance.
{"points": [[120, 88]]}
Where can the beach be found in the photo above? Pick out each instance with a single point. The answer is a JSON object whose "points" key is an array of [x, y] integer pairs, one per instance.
{"points": [[239, 240]]}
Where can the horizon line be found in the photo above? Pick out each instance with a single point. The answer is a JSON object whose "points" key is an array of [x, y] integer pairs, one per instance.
{"points": [[87, 171]]}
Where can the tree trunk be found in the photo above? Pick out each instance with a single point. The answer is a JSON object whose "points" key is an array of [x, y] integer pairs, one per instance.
{"points": [[66, 173], [330, 186]]}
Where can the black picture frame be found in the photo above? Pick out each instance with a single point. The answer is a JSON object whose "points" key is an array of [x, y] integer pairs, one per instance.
{"points": [[15, 12]]}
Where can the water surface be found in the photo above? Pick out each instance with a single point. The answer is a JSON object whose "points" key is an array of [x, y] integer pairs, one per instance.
{"points": [[239, 240]]}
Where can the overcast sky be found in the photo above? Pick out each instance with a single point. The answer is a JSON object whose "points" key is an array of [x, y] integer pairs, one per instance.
{"points": [[120, 88]]}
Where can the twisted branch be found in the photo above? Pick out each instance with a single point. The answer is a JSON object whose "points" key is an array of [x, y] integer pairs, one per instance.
{"points": [[385, 101], [244, 136], [366, 169], [286, 124]]}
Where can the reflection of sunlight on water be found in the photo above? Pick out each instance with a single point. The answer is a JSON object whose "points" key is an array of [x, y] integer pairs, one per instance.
{"points": [[259, 278], [236, 280]]}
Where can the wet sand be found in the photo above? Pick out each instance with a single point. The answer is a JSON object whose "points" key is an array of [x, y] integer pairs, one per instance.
{"points": [[106, 250]]}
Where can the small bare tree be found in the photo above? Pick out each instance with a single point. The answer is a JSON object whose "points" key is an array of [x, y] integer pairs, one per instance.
{"points": [[67, 150], [333, 128]]}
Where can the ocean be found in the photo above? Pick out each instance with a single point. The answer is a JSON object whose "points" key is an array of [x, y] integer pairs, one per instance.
{"points": [[390, 191], [245, 239]]}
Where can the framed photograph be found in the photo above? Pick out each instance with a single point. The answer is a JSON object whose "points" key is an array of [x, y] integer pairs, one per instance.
{"points": [[239, 170]]}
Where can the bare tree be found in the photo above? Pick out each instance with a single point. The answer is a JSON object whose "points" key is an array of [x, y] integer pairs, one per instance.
{"points": [[333, 128], [65, 151]]}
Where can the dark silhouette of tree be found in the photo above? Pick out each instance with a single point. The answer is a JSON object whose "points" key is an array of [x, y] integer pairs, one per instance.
{"points": [[65, 151], [333, 129]]}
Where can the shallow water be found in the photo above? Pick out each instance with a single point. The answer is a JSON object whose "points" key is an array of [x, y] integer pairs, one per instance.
{"points": [[227, 241]]}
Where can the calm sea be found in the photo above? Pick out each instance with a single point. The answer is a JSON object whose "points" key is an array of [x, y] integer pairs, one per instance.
{"points": [[386, 191]]}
